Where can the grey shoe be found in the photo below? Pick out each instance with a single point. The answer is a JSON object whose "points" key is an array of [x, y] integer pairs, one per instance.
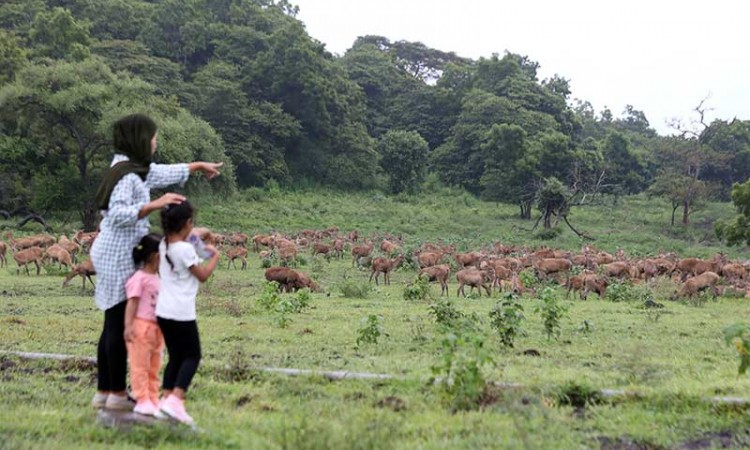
{"points": [[99, 400], [119, 403]]}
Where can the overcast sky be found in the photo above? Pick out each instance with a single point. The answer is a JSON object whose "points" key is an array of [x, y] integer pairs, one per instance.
{"points": [[661, 56]]}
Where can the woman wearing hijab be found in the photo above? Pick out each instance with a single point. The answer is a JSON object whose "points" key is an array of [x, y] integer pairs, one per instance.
{"points": [[125, 203]]}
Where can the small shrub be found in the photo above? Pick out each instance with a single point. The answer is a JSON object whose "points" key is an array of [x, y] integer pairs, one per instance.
{"points": [[460, 373], [739, 336], [624, 292], [265, 263], [419, 289], [506, 318], [577, 394], [552, 311], [370, 330], [353, 289], [445, 313], [586, 327], [270, 296], [549, 234], [528, 278]]}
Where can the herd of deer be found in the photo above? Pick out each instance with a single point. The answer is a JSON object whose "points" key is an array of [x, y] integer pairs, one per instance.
{"points": [[496, 267]]}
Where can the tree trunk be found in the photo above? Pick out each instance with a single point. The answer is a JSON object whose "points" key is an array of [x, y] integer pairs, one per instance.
{"points": [[674, 210], [686, 213], [547, 219], [88, 216], [525, 210]]}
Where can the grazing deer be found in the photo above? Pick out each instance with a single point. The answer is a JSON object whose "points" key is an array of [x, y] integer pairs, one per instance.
{"points": [[384, 265]]}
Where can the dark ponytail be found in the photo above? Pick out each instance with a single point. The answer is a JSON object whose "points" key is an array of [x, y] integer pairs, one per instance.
{"points": [[148, 245], [173, 219]]}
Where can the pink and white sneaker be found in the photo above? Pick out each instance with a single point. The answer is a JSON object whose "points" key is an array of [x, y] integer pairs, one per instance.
{"points": [[174, 407], [145, 407]]}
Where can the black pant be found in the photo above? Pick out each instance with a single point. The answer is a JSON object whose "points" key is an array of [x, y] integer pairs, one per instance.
{"points": [[184, 347], [111, 354]]}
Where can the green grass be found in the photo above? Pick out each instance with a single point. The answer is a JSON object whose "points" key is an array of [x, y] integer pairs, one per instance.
{"points": [[673, 358]]}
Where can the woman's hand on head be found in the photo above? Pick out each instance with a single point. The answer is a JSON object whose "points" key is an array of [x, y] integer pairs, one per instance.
{"points": [[170, 198], [211, 170]]}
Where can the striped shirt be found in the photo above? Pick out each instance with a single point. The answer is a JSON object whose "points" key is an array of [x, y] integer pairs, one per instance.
{"points": [[121, 230]]}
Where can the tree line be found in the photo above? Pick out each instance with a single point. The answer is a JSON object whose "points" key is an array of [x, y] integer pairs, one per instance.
{"points": [[241, 81]]}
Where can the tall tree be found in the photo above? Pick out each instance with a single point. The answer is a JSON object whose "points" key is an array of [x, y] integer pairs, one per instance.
{"points": [[403, 159], [62, 112]]}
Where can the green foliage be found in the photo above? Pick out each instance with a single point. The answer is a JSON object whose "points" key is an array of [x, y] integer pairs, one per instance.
{"points": [[419, 290], [403, 156], [460, 373], [578, 394], [739, 336], [270, 296], [552, 311], [353, 289], [370, 330], [626, 292], [283, 305], [506, 318], [57, 34], [549, 233], [444, 313], [737, 230], [586, 327]]}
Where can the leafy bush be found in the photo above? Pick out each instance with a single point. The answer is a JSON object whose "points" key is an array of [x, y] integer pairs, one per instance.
{"points": [[506, 318], [624, 292], [353, 289], [445, 313], [419, 289], [370, 330], [270, 296], [549, 234], [552, 311], [460, 373], [739, 335], [577, 394]]}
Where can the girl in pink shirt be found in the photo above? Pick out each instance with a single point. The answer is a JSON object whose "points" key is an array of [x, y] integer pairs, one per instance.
{"points": [[142, 334]]}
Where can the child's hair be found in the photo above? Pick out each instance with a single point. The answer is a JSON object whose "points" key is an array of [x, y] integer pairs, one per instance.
{"points": [[148, 245], [173, 219]]}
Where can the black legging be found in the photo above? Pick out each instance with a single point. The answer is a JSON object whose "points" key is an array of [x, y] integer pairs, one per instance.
{"points": [[111, 354], [184, 347]]}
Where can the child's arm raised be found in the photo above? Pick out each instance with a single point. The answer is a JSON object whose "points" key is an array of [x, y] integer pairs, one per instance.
{"points": [[203, 272]]}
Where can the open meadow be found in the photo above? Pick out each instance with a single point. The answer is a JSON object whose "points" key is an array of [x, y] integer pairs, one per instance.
{"points": [[634, 369]]}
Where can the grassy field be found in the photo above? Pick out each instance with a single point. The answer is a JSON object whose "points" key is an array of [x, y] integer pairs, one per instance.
{"points": [[667, 362]]}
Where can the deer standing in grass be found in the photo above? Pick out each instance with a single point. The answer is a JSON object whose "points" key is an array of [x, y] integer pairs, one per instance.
{"points": [[384, 265], [27, 256]]}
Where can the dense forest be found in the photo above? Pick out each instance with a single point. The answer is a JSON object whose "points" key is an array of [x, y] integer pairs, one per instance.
{"points": [[241, 81]]}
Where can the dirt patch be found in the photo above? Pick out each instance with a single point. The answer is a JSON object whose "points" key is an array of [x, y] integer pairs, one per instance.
{"points": [[625, 443], [77, 365], [720, 439], [391, 402], [244, 400]]}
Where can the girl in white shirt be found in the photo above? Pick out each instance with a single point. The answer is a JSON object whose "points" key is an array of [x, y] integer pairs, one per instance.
{"points": [[181, 271]]}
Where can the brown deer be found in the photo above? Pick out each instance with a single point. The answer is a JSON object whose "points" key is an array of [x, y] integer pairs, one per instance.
{"points": [[237, 253], [85, 270], [57, 253], [321, 249], [384, 265], [439, 273], [360, 251], [3, 253], [27, 256], [475, 278]]}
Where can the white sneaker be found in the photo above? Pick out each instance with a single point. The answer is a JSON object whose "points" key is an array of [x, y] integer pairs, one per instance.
{"points": [[119, 403], [146, 408], [99, 400]]}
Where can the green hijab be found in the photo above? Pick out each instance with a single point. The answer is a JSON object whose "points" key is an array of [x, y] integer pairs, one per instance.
{"points": [[132, 137]]}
